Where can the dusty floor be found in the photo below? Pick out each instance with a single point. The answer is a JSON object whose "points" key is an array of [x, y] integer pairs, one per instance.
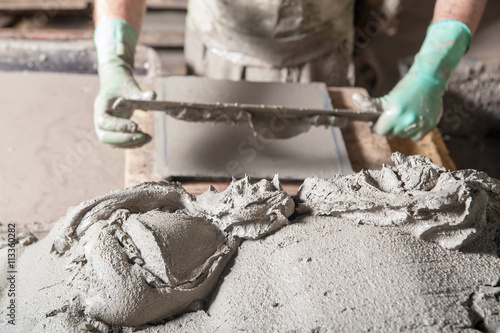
{"points": [[50, 157], [52, 160], [370, 251]]}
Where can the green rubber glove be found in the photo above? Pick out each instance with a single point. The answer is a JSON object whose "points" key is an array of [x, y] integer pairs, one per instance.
{"points": [[414, 106], [115, 41]]}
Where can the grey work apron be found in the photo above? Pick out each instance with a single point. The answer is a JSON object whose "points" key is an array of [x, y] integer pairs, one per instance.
{"points": [[271, 40]]}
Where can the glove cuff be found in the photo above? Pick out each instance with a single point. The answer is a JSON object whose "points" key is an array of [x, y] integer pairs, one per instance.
{"points": [[444, 45], [453, 27], [115, 42]]}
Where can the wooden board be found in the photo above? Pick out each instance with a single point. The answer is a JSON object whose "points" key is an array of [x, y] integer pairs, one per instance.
{"points": [[163, 29], [167, 4], [172, 62], [6, 19], [366, 149], [33, 5], [431, 145], [47, 34], [37, 5], [160, 29]]}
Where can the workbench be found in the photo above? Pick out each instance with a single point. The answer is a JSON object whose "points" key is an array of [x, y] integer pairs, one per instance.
{"points": [[366, 150]]}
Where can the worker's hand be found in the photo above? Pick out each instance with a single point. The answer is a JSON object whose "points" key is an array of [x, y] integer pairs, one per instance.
{"points": [[414, 106], [115, 42], [113, 126], [410, 110]]}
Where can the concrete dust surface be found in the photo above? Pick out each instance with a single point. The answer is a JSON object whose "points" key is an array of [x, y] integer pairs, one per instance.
{"points": [[324, 275], [50, 158], [148, 258]]}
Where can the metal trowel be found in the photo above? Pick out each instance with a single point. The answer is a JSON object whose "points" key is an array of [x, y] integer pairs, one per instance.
{"points": [[240, 101], [233, 111]]}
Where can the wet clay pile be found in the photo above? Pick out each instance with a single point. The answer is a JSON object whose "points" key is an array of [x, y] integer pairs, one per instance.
{"points": [[144, 254], [150, 258], [449, 208], [471, 117], [472, 101]]}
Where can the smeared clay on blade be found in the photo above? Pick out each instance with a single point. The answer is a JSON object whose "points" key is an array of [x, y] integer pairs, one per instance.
{"points": [[256, 116]]}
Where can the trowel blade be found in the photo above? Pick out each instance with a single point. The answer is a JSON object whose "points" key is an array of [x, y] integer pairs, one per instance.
{"points": [[211, 111], [212, 100]]}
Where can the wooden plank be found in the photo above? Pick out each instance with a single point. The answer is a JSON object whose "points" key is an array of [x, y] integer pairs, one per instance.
{"points": [[162, 38], [55, 34], [431, 145], [55, 27], [6, 20], [172, 62], [163, 29], [366, 150], [160, 29], [174, 39], [167, 4], [47, 5], [139, 162], [34, 5]]}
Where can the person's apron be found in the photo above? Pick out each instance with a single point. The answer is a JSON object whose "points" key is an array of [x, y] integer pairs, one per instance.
{"points": [[271, 40]]}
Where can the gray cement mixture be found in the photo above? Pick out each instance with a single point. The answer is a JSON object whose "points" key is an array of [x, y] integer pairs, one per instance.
{"points": [[449, 208], [375, 251], [471, 118], [471, 103]]}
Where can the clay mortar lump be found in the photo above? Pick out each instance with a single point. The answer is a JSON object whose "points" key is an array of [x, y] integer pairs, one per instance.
{"points": [[149, 252], [449, 208]]}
